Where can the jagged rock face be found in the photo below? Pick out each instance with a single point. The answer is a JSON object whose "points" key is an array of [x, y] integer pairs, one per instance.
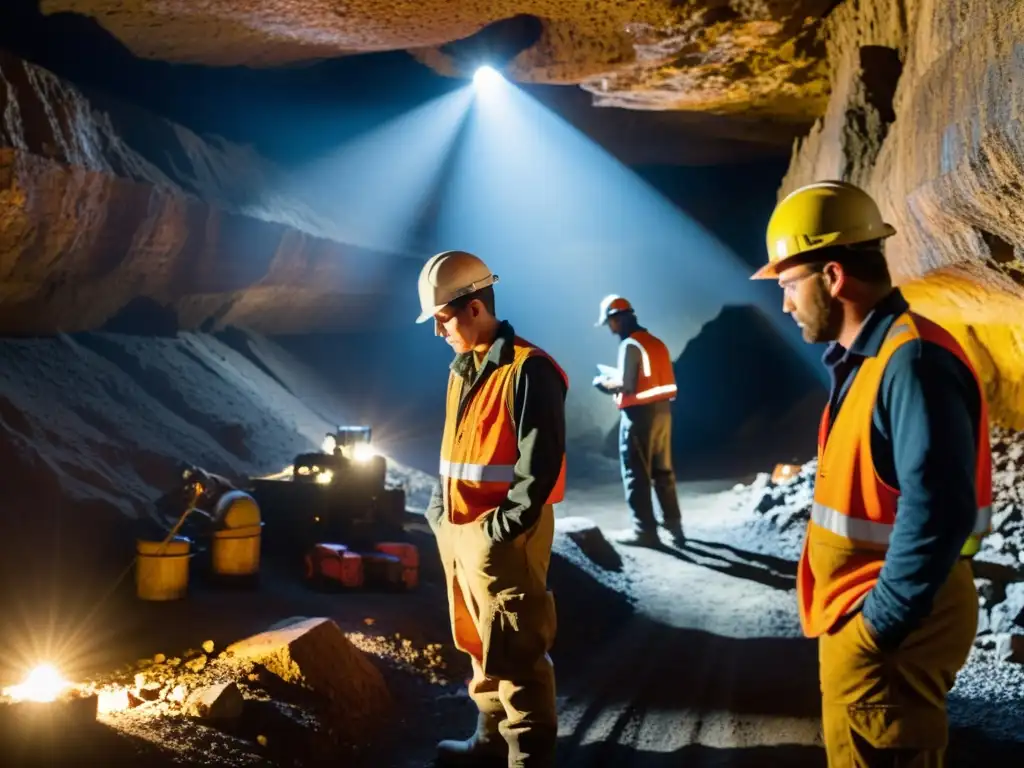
{"points": [[93, 226], [705, 55], [925, 114]]}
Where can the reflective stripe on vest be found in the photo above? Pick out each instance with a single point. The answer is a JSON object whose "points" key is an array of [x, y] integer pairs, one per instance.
{"points": [[664, 389], [858, 529], [480, 449], [478, 473], [855, 510], [656, 380], [982, 522]]}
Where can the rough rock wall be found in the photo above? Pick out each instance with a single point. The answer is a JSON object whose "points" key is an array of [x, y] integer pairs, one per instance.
{"points": [[96, 426], [706, 55], [48, 117], [104, 209], [925, 113]]}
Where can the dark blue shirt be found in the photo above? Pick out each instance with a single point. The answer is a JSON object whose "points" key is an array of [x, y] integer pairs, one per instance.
{"points": [[924, 441]]}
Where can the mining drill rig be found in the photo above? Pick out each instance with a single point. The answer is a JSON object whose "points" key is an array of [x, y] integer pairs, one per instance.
{"points": [[337, 494]]}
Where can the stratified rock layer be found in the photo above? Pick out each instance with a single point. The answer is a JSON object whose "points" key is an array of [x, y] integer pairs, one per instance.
{"points": [[105, 209], [705, 55], [925, 113]]}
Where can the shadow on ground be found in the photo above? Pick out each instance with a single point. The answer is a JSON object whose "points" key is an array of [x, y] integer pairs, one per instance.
{"points": [[97, 745], [771, 571], [972, 748], [636, 692]]}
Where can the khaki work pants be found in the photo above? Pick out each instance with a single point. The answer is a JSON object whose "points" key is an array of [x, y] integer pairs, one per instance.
{"points": [[645, 459], [503, 616], [888, 708]]}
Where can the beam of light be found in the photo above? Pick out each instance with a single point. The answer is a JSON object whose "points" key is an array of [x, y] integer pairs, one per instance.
{"points": [[372, 189], [564, 223]]}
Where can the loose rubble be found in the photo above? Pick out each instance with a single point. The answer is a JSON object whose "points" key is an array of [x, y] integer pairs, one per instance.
{"points": [[428, 662], [301, 691], [999, 567]]}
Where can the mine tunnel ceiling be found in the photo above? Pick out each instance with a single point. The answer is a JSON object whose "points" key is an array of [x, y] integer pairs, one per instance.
{"points": [[747, 76]]}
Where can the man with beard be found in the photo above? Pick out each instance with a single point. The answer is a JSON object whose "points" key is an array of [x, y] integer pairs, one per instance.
{"points": [[502, 468], [903, 488]]}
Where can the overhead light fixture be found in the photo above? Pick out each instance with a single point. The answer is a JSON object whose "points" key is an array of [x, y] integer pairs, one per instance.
{"points": [[486, 76]]}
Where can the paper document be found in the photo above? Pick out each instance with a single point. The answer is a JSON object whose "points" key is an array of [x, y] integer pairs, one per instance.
{"points": [[611, 372]]}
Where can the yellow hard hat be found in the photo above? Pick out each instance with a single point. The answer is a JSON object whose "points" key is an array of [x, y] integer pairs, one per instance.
{"points": [[448, 276], [611, 305], [820, 215]]}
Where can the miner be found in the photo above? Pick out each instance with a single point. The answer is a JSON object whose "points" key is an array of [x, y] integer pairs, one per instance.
{"points": [[643, 387], [502, 467], [903, 488]]}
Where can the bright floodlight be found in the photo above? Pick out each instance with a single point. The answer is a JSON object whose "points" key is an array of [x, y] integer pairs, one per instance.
{"points": [[486, 77], [44, 683], [363, 452]]}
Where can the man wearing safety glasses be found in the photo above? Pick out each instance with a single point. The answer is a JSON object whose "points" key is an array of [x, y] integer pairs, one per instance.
{"points": [[903, 490]]}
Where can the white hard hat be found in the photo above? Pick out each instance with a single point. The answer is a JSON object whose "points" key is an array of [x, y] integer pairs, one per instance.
{"points": [[448, 276], [611, 305]]}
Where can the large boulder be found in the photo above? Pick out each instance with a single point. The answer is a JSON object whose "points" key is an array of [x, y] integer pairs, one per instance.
{"points": [[315, 652]]}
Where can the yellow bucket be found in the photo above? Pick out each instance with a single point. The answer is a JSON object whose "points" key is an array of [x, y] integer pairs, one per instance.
{"points": [[161, 571], [236, 509], [236, 551]]}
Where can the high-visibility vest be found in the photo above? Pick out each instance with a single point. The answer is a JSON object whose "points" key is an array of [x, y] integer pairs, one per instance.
{"points": [[854, 511], [480, 445], [657, 379]]}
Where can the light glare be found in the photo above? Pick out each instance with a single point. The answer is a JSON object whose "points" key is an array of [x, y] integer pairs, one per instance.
{"points": [[486, 76], [363, 452], [44, 683]]}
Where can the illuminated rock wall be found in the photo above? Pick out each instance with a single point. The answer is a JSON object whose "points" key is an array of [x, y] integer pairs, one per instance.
{"points": [[925, 113], [107, 210]]}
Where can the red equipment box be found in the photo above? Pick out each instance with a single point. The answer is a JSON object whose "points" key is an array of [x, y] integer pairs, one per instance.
{"points": [[409, 556], [391, 565], [335, 563]]}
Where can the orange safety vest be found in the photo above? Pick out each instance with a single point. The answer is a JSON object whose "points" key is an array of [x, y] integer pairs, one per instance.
{"points": [[480, 446], [657, 380], [854, 511]]}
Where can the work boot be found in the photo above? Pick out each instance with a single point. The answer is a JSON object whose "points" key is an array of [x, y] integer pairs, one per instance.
{"points": [[485, 748], [532, 748], [675, 532]]}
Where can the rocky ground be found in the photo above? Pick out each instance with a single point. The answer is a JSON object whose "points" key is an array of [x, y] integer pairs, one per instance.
{"points": [[698, 652], [999, 566], [662, 656]]}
